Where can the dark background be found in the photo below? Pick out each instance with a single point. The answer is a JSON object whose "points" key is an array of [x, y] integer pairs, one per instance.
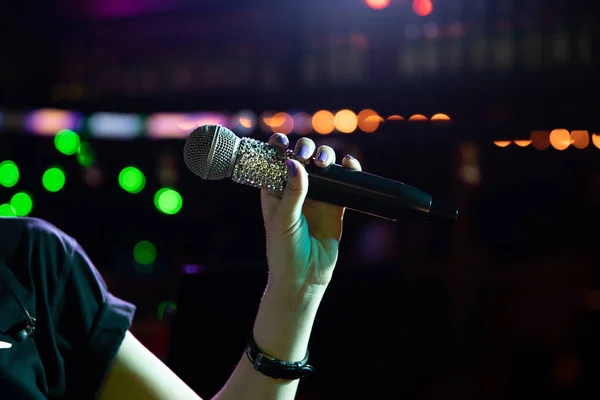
{"points": [[504, 304]]}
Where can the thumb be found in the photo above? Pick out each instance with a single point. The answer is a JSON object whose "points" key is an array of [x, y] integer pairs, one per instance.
{"points": [[290, 208]]}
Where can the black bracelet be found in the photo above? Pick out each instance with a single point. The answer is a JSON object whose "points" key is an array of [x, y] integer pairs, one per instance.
{"points": [[275, 368]]}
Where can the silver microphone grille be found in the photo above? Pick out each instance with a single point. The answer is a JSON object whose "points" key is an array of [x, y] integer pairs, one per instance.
{"points": [[209, 151]]}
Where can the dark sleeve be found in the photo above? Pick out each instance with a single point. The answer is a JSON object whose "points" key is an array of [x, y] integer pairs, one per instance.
{"points": [[91, 324]]}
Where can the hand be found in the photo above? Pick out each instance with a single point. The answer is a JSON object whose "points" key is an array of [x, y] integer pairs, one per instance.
{"points": [[303, 235]]}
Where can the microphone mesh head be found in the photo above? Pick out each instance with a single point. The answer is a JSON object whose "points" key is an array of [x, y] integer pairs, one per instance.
{"points": [[209, 150]]}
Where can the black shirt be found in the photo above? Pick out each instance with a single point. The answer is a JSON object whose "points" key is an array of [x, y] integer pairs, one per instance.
{"points": [[79, 324]]}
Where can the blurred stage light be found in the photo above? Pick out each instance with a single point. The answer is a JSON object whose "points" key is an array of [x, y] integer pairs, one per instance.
{"points": [[368, 120], [9, 174], [49, 121], [144, 253], [323, 122], [580, 139], [502, 143], [377, 4], [243, 123], [67, 142], [418, 118], [53, 179], [522, 143], [22, 204], [168, 201], [85, 155], [166, 310], [540, 140], [132, 180], [422, 7], [282, 123], [596, 140], [302, 123], [6, 210], [115, 126], [560, 139], [345, 121]]}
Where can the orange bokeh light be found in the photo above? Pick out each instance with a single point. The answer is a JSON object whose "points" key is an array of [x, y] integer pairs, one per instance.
{"points": [[282, 123], [368, 120], [502, 143], [580, 139], [395, 118], [540, 139], [418, 117], [596, 139], [560, 139], [322, 122], [345, 121], [522, 143], [377, 4], [422, 7]]}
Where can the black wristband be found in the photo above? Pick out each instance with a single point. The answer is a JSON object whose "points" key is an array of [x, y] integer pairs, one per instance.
{"points": [[275, 368]]}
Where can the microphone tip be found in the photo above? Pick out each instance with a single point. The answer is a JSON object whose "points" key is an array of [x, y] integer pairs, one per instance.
{"points": [[443, 211]]}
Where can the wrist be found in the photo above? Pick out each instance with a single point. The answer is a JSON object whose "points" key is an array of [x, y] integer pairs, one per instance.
{"points": [[284, 320]]}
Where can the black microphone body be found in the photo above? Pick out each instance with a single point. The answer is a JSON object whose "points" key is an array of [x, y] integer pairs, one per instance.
{"points": [[214, 152], [372, 194]]}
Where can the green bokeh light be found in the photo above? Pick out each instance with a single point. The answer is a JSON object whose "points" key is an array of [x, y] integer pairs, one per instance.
{"points": [[22, 204], [86, 155], [9, 174], [166, 310], [67, 142], [168, 201], [53, 179], [144, 253], [6, 210], [132, 180]]}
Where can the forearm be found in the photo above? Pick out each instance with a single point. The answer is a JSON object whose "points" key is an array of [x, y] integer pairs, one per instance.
{"points": [[282, 330]]}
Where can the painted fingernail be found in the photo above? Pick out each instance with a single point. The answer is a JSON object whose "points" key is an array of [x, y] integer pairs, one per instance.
{"points": [[292, 167], [283, 140], [303, 151], [322, 156]]}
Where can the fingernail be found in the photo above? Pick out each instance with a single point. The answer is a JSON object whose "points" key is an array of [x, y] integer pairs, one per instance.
{"points": [[350, 157], [322, 156], [283, 139], [292, 167], [303, 151]]}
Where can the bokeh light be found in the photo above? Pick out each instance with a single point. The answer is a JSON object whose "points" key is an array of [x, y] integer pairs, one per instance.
{"points": [[502, 143], [377, 4], [85, 154], [345, 121], [67, 142], [168, 201], [322, 122], [418, 118], [540, 140], [560, 139], [368, 120], [144, 253], [9, 174], [22, 204], [422, 7], [580, 139], [132, 180], [596, 140], [166, 311], [6, 210], [53, 179], [282, 123]]}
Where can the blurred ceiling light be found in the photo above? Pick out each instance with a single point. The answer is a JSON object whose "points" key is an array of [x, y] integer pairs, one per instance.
{"points": [[377, 4], [395, 117], [48, 121], [560, 139], [345, 121], [302, 123], [368, 120], [417, 117], [282, 123], [540, 139], [422, 7], [502, 143], [580, 139], [322, 122], [522, 143], [596, 140]]}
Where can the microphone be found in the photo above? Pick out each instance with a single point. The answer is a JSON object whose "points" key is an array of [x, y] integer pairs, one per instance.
{"points": [[213, 152]]}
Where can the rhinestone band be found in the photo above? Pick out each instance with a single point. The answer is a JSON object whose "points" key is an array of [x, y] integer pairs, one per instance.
{"points": [[260, 165]]}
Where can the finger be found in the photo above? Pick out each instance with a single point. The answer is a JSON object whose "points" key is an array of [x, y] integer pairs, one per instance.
{"points": [[289, 211], [279, 140], [269, 202], [351, 163], [325, 156], [304, 149]]}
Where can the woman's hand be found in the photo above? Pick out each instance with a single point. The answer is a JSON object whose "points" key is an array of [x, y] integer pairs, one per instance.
{"points": [[303, 235]]}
